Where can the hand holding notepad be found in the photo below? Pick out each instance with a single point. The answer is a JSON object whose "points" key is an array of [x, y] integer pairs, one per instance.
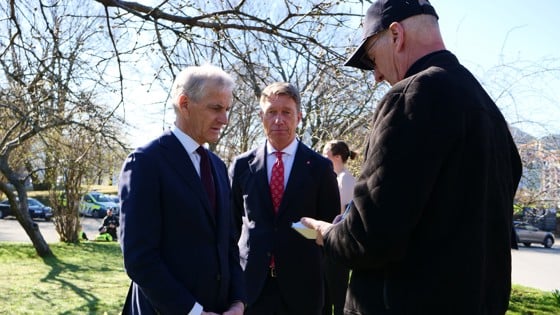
{"points": [[305, 231]]}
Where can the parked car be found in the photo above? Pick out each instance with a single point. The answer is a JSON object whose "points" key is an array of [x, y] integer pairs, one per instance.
{"points": [[114, 198], [95, 204], [36, 209], [528, 234]]}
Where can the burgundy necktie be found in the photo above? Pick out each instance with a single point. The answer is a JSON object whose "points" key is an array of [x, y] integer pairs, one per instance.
{"points": [[277, 181], [206, 176]]}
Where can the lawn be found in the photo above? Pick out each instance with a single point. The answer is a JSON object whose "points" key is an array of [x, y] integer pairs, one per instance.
{"points": [[89, 279], [83, 279]]}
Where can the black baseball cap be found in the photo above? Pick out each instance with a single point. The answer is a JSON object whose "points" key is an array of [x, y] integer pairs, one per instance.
{"points": [[378, 18]]}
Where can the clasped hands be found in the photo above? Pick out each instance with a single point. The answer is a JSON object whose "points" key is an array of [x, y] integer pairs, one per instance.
{"points": [[236, 308]]}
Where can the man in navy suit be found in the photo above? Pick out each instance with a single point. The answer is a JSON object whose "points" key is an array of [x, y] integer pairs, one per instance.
{"points": [[283, 269], [178, 243]]}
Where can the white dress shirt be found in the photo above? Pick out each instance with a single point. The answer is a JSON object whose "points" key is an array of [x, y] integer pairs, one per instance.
{"points": [[190, 146], [287, 159]]}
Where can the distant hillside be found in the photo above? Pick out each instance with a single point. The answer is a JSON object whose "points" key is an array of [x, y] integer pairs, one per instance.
{"points": [[551, 142], [520, 137]]}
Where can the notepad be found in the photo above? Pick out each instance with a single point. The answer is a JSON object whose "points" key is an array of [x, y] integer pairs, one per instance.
{"points": [[305, 231]]}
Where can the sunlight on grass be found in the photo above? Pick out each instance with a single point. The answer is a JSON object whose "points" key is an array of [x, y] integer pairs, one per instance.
{"points": [[88, 278], [82, 279], [528, 301]]}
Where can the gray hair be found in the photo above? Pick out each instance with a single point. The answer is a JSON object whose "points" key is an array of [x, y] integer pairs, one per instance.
{"points": [[282, 88], [194, 81]]}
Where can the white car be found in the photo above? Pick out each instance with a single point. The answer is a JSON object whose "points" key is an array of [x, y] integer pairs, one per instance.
{"points": [[95, 204]]}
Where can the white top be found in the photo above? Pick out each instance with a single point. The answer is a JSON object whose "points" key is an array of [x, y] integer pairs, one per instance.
{"points": [[190, 146], [346, 184], [287, 159]]}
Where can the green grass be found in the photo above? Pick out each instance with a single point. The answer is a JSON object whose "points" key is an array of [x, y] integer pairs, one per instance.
{"points": [[82, 279], [88, 278], [528, 301]]}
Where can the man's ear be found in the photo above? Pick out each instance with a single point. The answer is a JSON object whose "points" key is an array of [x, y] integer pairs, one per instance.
{"points": [[183, 102], [397, 35]]}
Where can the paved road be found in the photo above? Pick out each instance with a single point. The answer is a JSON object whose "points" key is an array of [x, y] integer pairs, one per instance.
{"points": [[10, 230], [535, 266]]}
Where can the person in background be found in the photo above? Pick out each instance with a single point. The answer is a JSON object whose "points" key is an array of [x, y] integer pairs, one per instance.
{"points": [[336, 276], [273, 186], [103, 235], [110, 224], [338, 152], [177, 240], [430, 226]]}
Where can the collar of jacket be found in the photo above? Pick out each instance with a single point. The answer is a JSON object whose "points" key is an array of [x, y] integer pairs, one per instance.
{"points": [[439, 57]]}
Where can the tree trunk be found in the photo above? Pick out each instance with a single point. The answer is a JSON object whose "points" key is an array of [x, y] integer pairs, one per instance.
{"points": [[32, 230], [24, 219]]}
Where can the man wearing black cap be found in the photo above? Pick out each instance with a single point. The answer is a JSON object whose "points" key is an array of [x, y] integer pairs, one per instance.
{"points": [[430, 229]]}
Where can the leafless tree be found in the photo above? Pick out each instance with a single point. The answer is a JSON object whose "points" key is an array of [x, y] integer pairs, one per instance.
{"points": [[259, 42], [48, 60]]}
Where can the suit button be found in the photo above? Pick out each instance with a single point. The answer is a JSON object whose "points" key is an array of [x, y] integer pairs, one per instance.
{"points": [[218, 277], [268, 254]]}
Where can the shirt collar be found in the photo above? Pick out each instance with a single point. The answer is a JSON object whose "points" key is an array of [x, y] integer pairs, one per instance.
{"points": [[188, 143], [289, 150]]}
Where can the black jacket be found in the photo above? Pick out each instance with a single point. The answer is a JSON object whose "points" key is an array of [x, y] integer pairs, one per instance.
{"points": [[312, 191], [430, 232]]}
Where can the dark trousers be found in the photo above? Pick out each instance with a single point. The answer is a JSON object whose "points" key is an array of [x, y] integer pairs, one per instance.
{"points": [[270, 302], [336, 283], [112, 232]]}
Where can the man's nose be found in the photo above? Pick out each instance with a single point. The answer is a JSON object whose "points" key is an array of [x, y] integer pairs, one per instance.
{"points": [[278, 119], [223, 118]]}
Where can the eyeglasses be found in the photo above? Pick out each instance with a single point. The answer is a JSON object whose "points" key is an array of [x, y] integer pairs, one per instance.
{"points": [[365, 57]]}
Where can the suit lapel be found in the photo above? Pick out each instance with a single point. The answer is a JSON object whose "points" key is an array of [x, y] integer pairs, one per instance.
{"points": [[257, 166], [297, 177], [180, 161]]}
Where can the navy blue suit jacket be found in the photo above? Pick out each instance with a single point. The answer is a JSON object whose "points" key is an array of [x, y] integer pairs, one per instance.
{"points": [[311, 191], [176, 250]]}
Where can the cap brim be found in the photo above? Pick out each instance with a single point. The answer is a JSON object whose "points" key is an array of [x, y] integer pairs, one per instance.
{"points": [[356, 58]]}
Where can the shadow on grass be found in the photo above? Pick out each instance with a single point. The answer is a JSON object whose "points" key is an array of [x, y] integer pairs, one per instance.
{"points": [[61, 270]]}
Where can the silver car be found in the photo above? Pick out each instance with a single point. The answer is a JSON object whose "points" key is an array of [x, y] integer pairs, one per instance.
{"points": [[527, 234]]}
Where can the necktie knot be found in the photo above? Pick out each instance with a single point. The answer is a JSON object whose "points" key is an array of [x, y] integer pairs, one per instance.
{"points": [[200, 150]]}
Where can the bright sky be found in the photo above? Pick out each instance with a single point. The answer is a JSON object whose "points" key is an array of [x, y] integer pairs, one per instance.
{"points": [[486, 33], [483, 34]]}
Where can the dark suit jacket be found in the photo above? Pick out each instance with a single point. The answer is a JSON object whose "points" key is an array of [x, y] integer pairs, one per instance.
{"points": [[175, 251], [311, 191], [430, 230]]}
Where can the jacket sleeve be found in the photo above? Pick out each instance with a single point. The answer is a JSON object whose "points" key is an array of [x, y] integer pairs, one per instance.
{"points": [[140, 234]]}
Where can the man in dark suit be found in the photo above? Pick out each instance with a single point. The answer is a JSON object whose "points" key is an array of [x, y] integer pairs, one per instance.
{"points": [[176, 234], [283, 269], [429, 229]]}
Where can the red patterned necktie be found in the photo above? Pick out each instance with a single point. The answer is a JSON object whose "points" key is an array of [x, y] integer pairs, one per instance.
{"points": [[206, 176], [277, 181]]}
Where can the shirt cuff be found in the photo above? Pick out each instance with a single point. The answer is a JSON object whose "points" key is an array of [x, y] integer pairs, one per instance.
{"points": [[196, 310]]}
